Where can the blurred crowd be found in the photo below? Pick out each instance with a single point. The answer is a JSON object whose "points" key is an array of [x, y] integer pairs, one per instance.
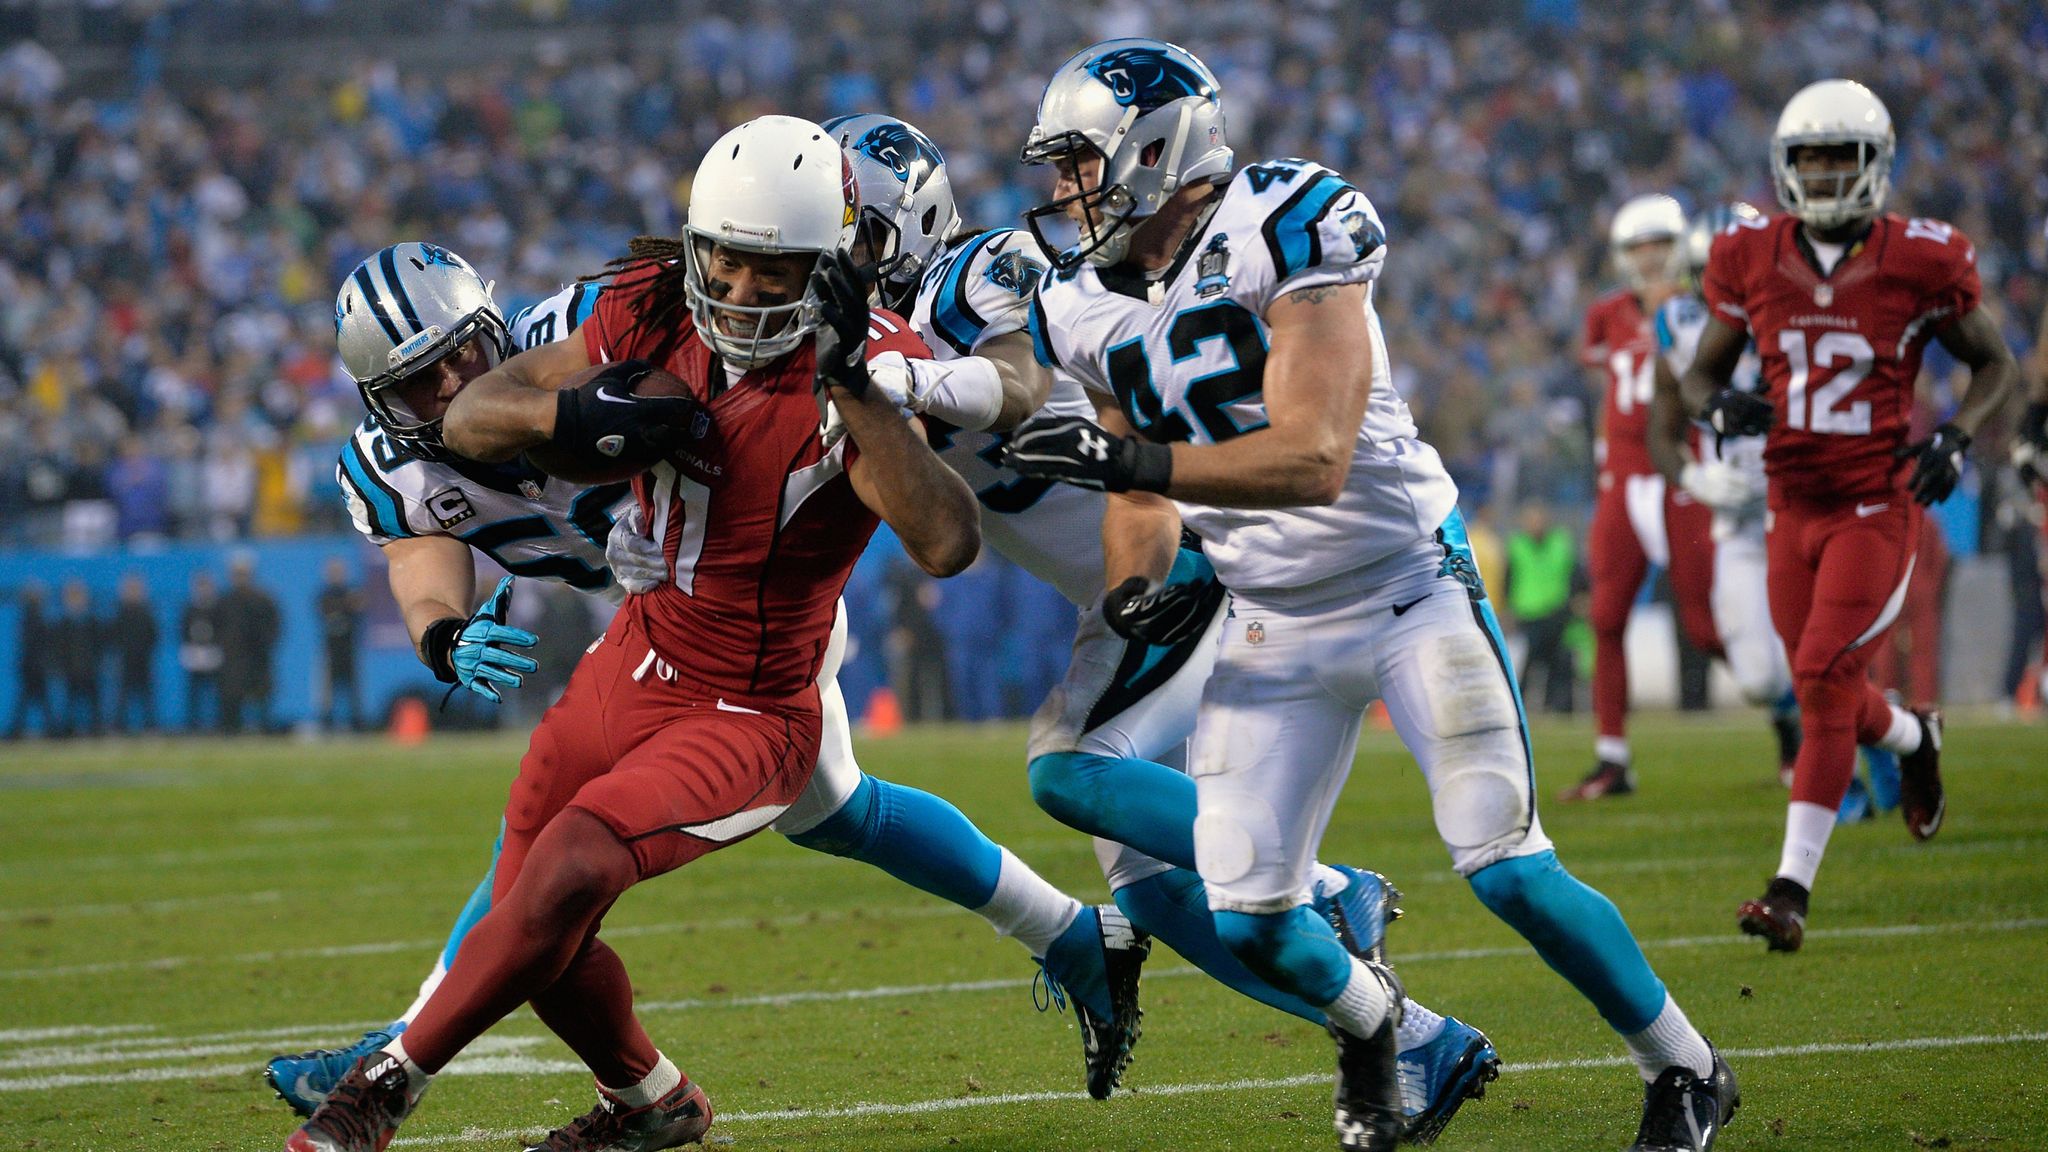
{"points": [[169, 246]]}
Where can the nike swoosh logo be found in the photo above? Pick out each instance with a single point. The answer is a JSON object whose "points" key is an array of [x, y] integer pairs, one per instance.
{"points": [[1402, 609], [604, 395], [1862, 510], [303, 1089]]}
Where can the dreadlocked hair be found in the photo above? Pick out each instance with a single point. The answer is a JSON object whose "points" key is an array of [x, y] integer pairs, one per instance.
{"points": [[666, 299]]}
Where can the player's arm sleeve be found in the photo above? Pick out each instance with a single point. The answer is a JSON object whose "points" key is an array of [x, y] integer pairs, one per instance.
{"points": [[1324, 232], [1722, 284], [375, 506]]}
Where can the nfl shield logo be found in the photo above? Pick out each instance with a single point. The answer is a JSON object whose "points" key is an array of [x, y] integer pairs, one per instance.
{"points": [[1823, 295], [529, 489], [1255, 633]]}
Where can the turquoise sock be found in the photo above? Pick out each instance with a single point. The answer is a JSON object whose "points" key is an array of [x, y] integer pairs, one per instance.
{"points": [[1174, 907]]}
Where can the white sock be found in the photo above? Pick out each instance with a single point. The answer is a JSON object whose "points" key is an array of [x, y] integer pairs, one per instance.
{"points": [[1331, 880], [416, 1077], [1418, 1026], [659, 1083], [1670, 1039], [1904, 735], [427, 987], [1611, 750], [1363, 1005], [1807, 827], [1027, 907]]}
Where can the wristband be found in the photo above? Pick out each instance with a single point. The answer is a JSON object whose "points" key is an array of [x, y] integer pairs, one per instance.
{"points": [[437, 647], [1151, 466]]}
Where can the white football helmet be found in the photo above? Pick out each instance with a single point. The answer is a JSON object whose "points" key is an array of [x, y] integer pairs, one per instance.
{"points": [[774, 184], [1641, 220], [1835, 112], [399, 312], [1699, 235], [906, 200], [1155, 114]]}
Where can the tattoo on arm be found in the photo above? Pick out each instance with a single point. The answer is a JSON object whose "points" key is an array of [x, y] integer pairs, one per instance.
{"points": [[1314, 295]]}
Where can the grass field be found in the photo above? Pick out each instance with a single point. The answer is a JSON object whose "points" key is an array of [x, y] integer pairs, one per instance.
{"points": [[173, 913]]}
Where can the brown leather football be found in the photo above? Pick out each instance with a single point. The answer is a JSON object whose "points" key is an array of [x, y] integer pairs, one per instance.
{"points": [[580, 468]]}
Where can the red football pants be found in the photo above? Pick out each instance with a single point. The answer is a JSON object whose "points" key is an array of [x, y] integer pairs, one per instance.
{"points": [[1666, 527], [635, 771], [1911, 663], [1838, 576]]}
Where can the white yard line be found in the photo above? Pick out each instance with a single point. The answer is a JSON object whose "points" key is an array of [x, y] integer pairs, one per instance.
{"points": [[999, 1100]]}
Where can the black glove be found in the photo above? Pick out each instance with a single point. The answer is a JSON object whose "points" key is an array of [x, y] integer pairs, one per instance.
{"points": [[1937, 463], [842, 340], [604, 422], [2030, 445], [1081, 452], [1167, 616], [1731, 412]]}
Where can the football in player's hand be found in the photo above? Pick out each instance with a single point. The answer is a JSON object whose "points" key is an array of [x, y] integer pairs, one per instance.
{"points": [[614, 421]]}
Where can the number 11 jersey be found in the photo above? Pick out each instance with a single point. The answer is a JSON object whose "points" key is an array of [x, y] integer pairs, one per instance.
{"points": [[1184, 354]]}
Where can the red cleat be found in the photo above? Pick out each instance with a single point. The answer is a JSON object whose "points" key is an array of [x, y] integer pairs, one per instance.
{"points": [[1606, 779], [679, 1118], [1779, 917]]}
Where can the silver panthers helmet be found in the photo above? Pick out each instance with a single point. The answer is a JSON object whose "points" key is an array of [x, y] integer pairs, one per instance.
{"points": [[907, 211], [1155, 115], [401, 311], [1699, 235]]}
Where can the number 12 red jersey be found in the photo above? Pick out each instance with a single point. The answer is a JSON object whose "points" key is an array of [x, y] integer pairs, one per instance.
{"points": [[1840, 352]]}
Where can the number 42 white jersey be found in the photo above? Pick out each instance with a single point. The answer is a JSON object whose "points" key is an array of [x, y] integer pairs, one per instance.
{"points": [[1185, 358]]}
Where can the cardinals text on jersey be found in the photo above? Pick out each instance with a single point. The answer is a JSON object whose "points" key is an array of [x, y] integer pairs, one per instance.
{"points": [[1185, 358], [978, 289], [1841, 351], [531, 524]]}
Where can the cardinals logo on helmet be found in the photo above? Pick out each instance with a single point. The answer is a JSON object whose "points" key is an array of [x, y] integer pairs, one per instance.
{"points": [[1147, 78]]}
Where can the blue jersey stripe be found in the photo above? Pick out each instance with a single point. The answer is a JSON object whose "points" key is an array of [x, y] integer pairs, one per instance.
{"points": [[378, 498], [1041, 345], [1291, 232], [581, 304], [955, 320]]}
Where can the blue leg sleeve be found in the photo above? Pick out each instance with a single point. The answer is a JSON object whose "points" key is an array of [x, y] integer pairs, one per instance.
{"points": [[479, 904], [1174, 907], [1578, 932], [1295, 951], [1148, 806], [915, 837]]}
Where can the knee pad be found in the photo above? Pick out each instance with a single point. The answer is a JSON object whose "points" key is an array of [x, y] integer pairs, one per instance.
{"points": [[848, 831], [1480, 798], [1063, 785]]}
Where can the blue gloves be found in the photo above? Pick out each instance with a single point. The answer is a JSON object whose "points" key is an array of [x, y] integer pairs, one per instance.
{"points": [[477, 653]]}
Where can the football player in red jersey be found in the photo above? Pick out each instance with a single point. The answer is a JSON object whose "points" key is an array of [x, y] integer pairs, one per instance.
{"points": [[1638, 520], [1841, 300], [694, 722]]}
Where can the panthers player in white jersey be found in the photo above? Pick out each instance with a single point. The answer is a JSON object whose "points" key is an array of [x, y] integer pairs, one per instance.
{"points": [[415, 323], [1101, 745], [1726, 473], [1223, 325]]}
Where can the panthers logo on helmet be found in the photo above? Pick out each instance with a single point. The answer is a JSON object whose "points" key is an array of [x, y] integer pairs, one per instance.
{"points": [[1147, 78], [907, 153], [1015, 272]]}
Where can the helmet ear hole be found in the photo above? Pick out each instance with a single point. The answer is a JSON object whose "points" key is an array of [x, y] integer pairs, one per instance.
{"points": [[1153, 151], [930, 220]]}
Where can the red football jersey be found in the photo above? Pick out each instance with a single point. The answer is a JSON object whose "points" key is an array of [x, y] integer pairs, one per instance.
{"points": [[756, 517], [1620, 342], [1840, 352]]}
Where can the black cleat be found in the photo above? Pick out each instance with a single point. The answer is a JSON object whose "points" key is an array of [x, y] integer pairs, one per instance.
{"points": [[1368, 1096], [1606, 779], [1779, 917], [363, 1110], [679, 1118], [1106, 1044], [1921, 799], [1683, 1113]]}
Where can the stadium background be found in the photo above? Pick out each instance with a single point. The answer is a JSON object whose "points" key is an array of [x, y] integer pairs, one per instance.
{"points": [[183, 184]]}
